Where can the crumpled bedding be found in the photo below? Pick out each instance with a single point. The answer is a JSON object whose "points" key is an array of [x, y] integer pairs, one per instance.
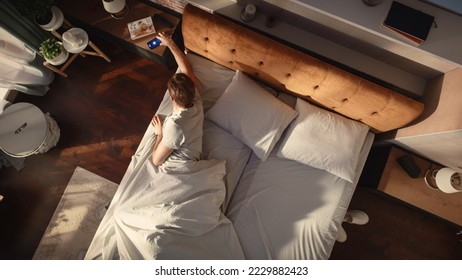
{"points": [[175, 215]]}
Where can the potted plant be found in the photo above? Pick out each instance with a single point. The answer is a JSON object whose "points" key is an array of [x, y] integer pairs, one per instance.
{"points": [[45, 14], [53, 51]]}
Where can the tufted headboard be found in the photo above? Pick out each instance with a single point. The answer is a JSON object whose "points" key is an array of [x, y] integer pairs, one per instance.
{"points": [[292, 71]]}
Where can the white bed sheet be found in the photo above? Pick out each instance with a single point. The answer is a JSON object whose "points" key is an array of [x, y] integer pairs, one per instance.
{"points": [[169, 216], [294, 216], [219, 144]]}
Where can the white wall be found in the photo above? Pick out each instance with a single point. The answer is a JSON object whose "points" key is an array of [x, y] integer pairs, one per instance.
{"points": [[444, 147], [351, 33], [437, 135]]}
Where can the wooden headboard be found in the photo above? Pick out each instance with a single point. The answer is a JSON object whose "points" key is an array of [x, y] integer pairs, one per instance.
{"points": [[295, 72]]}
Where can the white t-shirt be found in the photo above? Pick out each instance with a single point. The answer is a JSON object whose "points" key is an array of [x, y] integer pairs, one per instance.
{"points": [[183, 132]]}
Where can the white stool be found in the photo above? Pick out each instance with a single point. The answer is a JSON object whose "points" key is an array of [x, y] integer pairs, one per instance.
{"points": [[26, 130]]}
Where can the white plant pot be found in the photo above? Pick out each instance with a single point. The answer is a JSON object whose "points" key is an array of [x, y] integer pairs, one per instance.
{"points": [[56, 21], [60, 59]]}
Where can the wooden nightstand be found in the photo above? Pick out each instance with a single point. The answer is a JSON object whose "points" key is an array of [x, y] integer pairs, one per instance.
{"points": [[390, 178], [90, 15]]}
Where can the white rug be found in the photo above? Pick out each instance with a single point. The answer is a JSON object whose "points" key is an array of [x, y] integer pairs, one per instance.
{"points": [[77, 217]]}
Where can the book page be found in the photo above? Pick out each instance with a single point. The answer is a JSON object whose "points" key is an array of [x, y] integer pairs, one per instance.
{"points": [[140, 28]]}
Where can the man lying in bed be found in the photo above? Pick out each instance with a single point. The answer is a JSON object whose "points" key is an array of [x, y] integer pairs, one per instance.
{"points": [[179, 136]]}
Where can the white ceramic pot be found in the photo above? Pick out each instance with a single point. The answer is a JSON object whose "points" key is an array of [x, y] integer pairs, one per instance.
{"points": [[61, 58], [56, 21]]}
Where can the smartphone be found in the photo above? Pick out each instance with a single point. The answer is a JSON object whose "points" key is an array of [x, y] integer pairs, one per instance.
{"points": [[154, 43]]}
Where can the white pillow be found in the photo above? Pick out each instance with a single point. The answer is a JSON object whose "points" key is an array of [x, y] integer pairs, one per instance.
{"points": [[252, 114], [324, 140]]}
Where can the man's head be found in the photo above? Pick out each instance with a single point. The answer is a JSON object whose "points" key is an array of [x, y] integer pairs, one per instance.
{"points": [[181, 89]]}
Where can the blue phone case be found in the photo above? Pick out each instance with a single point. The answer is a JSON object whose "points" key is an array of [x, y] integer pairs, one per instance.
{"points": [[154, 43]]}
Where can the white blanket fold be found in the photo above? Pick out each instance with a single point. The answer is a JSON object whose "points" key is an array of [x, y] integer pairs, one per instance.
{"points": [[174, 215]]}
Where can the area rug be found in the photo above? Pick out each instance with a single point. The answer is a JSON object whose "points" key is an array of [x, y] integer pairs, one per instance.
{"points": [[77, 217]]}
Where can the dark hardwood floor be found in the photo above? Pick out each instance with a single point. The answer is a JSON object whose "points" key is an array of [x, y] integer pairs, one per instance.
{"points": [[397, 231], [103, 110]]}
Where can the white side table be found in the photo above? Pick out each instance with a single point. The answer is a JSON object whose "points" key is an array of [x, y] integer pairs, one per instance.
{"points": [[26, 130]]}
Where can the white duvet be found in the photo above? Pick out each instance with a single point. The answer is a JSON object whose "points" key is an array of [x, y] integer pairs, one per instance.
{"points": [[177, 215]]}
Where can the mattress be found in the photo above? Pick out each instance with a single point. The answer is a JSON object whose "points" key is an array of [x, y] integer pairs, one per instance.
{"points": [[279, 209]]}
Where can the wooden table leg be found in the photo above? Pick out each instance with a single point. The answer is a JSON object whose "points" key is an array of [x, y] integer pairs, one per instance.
{"points": [[54, 69], [69, 61], [103, 55]]}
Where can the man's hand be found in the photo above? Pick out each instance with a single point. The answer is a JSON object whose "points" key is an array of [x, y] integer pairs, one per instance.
{"points": [[160, 152], [157, 123], [165, 39]]}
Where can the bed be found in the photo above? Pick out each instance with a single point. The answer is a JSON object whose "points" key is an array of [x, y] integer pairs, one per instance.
{"points": [[285, 139]]}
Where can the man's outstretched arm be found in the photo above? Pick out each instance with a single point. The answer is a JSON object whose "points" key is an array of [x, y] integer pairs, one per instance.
{"points": [[180, 58]]}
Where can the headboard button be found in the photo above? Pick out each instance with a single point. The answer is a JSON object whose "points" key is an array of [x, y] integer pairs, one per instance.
{"points": [[374, 113], [233, 50], [260, 63], [206, 38], [345, 100], [316, 87]]}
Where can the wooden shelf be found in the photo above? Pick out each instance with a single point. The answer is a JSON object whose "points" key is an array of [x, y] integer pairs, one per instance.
{"points": [[397, 183], [92, 15]]}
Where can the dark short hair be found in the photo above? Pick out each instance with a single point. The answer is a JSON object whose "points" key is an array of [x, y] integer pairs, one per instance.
{"points": [[181, 89]]}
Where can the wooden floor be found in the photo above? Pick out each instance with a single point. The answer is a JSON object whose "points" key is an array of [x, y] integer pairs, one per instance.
{"points": [[103, 110], [396, 231]]}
